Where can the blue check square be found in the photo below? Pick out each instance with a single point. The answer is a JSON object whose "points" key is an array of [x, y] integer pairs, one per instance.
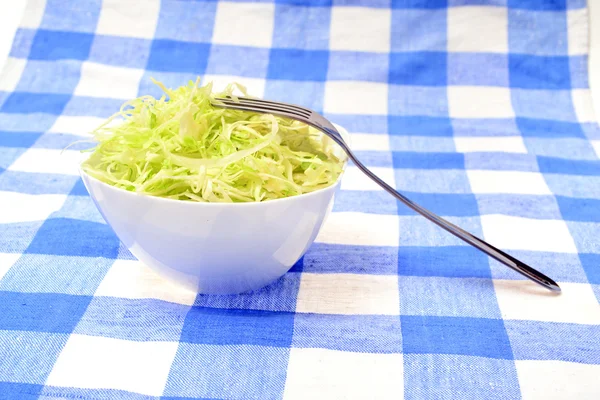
{"points": [[16, 390], [591, 265], [331, 258], [79, 16], [277, 296], [33, 360], [539, 72], [545, 128], [57, 45], [175, 56], [371, 67], [217, 326], [244, 372], [301, 26], [537, 340], [86, 239], [419, 126], [24, 102], [22, 43], [499, 3], [8, 155], [186, 21], [55, 274], [418, 68], [448, 297], [417, 100], [361, 123], [485, 127], [563, 267], [298, 65], [578, 66], [251, 62], [412, 30], [503, 161], [36, 183], [559, 165], [521, 205], [455, 335], [369, 201], [538, 5], [17, 122], [41, 76], [21, 139], [92, 106], [41, 312], [446, 204], [491, 70], [129, 319], [423, 4], [581, 232], [574, 148], [534, 26], [120, 51], [535, 104], [444, 261]]}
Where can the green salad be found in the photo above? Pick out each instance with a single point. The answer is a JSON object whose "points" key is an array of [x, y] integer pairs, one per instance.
{"points": [[182, 147]]}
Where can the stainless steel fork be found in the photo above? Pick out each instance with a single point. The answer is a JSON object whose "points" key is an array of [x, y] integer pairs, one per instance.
{"points": [[319, 122]]}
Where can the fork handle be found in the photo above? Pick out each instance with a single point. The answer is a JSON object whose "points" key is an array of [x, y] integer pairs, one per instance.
{"points": [[487, 248]]}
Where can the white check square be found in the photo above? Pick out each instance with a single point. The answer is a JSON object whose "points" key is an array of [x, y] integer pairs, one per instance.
{"points": [[122, 18], [73, 125], [131, 279], [244, 24], [11, 73], [577, 28], [516, 233], [524, 300], [21, 207], [92, 362], [99, 80], [49, 161], [332, 374], [479, 29], [7, 260], [350, 294], [355, 179], [34, 12], [596, 145], [360, 29], [360, 229], [583, 104], [512, 182], [506, 144], [353, 97], [479, 102], [553, 379], [369, 142]]}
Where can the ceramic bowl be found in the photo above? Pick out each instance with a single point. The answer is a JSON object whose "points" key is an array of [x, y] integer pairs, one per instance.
{"points": [[214, 248]]}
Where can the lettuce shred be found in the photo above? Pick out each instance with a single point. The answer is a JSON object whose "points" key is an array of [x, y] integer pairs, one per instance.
{"points": [[182, 147]]}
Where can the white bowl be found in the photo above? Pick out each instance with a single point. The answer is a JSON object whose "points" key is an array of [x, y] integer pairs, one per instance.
{"points": [[214, 248]]}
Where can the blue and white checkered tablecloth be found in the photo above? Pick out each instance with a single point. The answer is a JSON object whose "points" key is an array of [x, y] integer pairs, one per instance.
{"points": [[477, 109]]}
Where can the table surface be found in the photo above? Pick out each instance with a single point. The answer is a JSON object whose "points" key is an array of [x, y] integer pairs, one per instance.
{"points": [[370, 312], [11, 11]]}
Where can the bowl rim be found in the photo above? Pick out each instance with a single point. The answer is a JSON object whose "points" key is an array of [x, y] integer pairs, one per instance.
{"points": [[333, 186]]}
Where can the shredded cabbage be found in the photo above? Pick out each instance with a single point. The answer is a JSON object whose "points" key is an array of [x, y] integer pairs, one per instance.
{"points": [[182, 147]]}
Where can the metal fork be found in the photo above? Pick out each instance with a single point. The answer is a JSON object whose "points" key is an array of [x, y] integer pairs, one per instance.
{"points": [[319, 122]]}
